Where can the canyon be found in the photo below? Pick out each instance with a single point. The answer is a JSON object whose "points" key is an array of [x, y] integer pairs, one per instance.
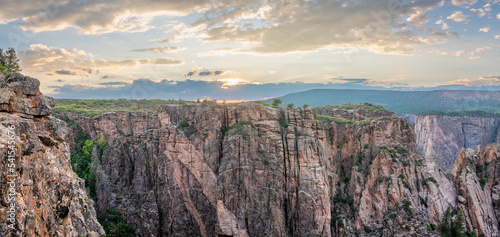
{"points": [[208, 169], [443, 137]]}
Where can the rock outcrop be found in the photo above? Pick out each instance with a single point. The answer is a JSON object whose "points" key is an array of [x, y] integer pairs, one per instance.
{"points": [[443, 137], [40, 195], [250, 170], [477, 174]]}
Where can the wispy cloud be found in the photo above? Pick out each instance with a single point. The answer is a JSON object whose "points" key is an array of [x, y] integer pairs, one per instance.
{"points": [[58, 61], [164, 49], [482, 81]]}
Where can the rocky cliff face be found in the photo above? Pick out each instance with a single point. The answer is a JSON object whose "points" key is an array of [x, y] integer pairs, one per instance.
{"points": [[477, 175], [40, 195], [249, 170], [443, 137]]}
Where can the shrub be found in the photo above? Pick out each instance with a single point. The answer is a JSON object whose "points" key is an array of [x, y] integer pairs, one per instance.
{"points": [[482, 182], [114, 225], [349, 200], [190, 131], [479, 168], [290, 106], [283, 122], [184, 123], [276, 102], [238, 127], [340, 222], [406, 204], [380, 179], [406, 184], [305, 106], [265, 161]]}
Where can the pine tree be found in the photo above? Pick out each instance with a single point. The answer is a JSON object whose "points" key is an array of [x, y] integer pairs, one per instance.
{"points": [[9, 63]]}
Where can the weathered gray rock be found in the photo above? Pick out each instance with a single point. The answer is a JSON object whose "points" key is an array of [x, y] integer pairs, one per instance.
{"points": [[443, 137], [264, 179], [21, 94], [52, 200]]}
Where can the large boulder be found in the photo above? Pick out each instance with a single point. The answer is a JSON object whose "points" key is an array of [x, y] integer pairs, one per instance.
{"points": [[21, 94]]}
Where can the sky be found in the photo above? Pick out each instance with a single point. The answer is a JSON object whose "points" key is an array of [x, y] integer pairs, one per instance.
{"points": [[251, 49]]}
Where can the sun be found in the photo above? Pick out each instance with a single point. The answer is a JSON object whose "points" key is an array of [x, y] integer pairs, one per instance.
{"points": [[231, 82]]}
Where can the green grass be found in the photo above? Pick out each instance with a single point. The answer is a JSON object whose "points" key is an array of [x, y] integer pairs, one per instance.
{"points": [[94, 107], [360, 107], [329, 119]]}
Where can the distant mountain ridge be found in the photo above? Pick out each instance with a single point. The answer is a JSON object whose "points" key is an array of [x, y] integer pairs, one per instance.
{"points": [[401, 102]]}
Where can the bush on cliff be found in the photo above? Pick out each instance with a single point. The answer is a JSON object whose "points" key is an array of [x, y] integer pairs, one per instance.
{"points": [[9, 63]]}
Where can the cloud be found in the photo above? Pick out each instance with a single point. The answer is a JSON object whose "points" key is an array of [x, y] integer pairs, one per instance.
{"points": [[291, 26], [206, 73], [497, 37], [65, 72], [459, 53], [188, 89], [457, 16], [353, 81], [479, 12], [482, 81], [443, 24], [164, 49], [463, 2], [114, 83], [418, 19], [485, 29], [498, 16], [39, 58], [94, 17]]}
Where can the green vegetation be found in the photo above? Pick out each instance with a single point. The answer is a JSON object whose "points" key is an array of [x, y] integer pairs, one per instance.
{"points": [[347, 200], [290, 106], [406, 204], [9, 63], [94, 107], [276, 102], [238, 129], [482, 182], [340, 223], [81, 159], [470, 233], [452, 226], [479, 168], [305, 106], [102, 144], [406, 184], [115, 226], [190, 130], [262, 103], [470, 113], [283, 122], [359, 107], [329, 119], [184, 123]]}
